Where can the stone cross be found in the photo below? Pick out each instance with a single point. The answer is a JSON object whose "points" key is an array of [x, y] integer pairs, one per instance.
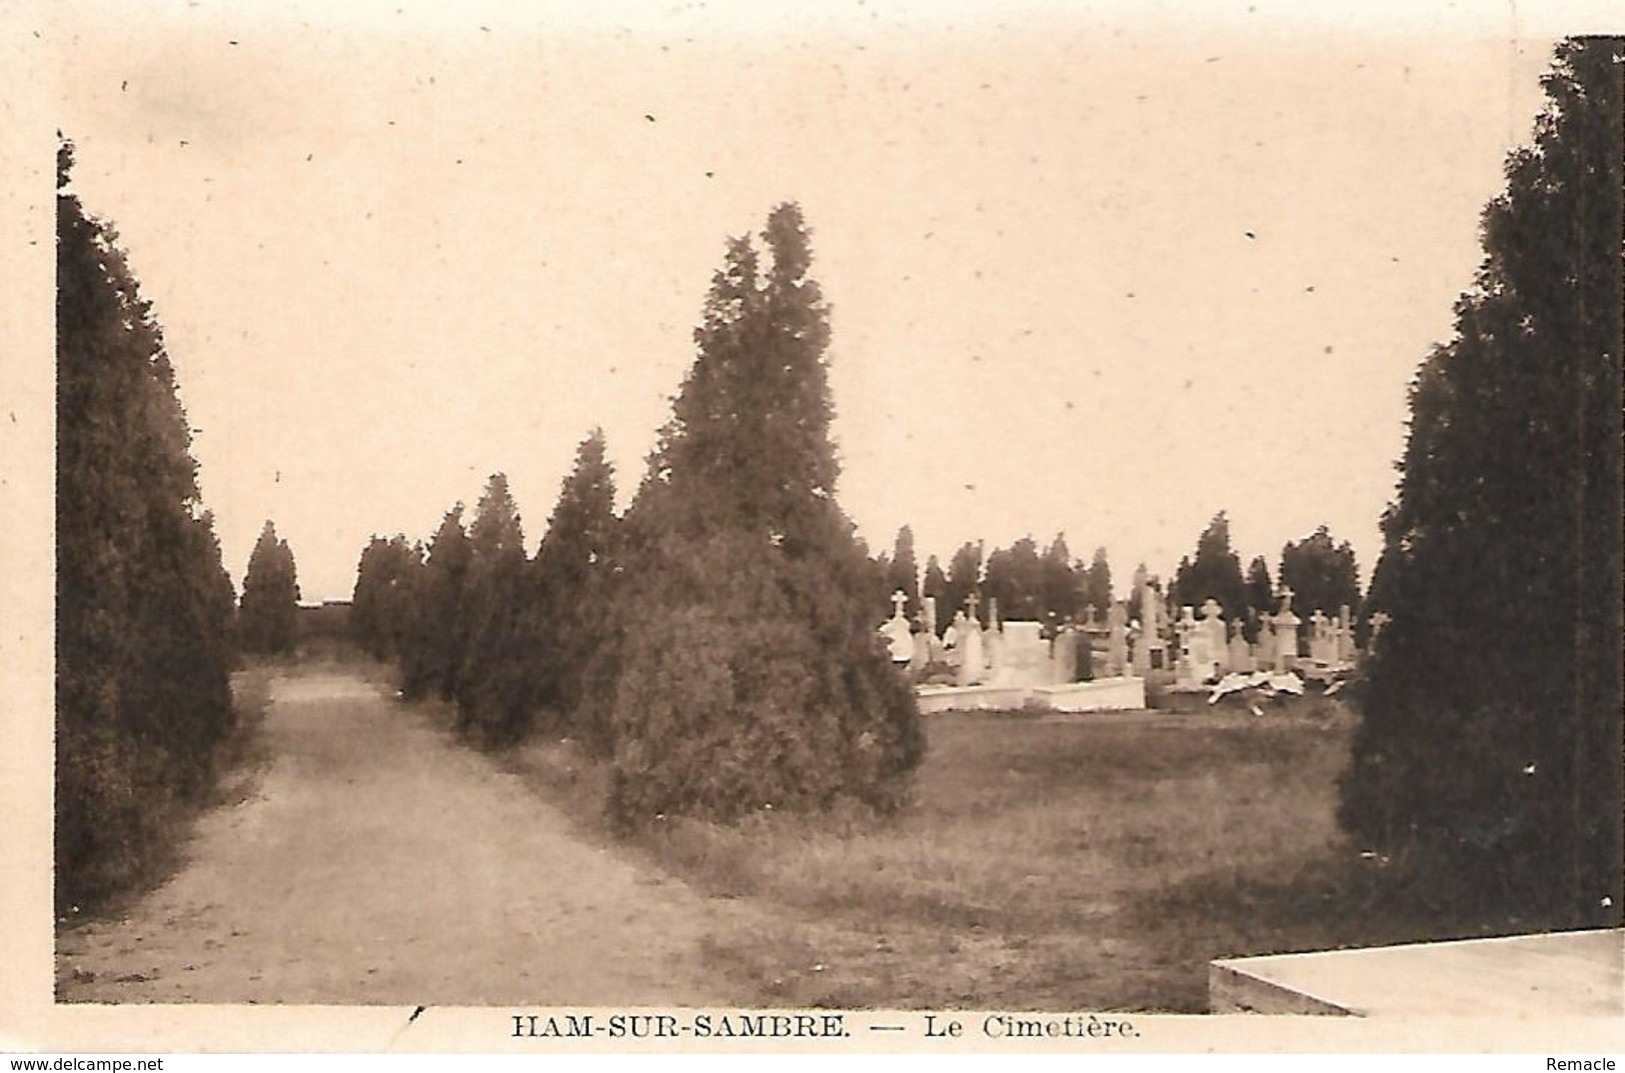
{"points": [[1286, 595], [1185, 626], [899, 600], [971, 603]]}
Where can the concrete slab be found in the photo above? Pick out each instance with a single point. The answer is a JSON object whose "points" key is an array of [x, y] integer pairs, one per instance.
{"points": [[988, 698], [1101, 695], [1570, 974]]}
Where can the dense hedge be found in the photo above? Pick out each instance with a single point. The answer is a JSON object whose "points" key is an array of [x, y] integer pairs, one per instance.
{"points": [[1490, 747], [144, 606]]}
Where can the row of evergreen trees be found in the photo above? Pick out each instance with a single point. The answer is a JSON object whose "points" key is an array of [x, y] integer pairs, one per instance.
{"points": [[147, 622], [144, 606], [716, 644], [1035, 584], [1321, 574], [1027, 583]]}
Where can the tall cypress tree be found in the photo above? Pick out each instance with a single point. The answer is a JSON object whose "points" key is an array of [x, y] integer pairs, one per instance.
{"points": [[493, 683], [1060, 580], [1097, 583], [1015, 578], [577, 568], [270, 603], [750, 674], [143, 602], [903, 572], [381, 605], [1215, 572], [438, 633], [964, 578], [1260, 594], [1321, 574], [1490, 743]]}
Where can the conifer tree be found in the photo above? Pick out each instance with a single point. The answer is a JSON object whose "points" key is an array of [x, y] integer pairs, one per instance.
{"points": [[1215, 572], [964, 578], [1321, 574], [438, 631], [1489, 749], [494, 682], [143, 603], [381, 606], [749, 675], [270, 603], [1061, 580], [903, 572], [1260, 595], [1097, 583], [1015, 578], [577, 569]]}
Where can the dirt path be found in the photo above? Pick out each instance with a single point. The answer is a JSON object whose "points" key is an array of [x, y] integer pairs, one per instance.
{"points": [[380, 862]]}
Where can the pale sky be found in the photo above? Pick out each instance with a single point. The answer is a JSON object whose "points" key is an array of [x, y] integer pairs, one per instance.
{"points": [[1091, 270]]}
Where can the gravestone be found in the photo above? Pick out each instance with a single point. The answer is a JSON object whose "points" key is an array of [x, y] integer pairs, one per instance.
{"points": [[993, 638], [1346, 652], [951, 651], [1330, 644], [1147, 652], [1265, 654], [1213, 654], [1286, 633], [1064, 654], [923, 638], [1023, 655], [1184, 630], [1322, 648], [899, 638], [1116, 641], [1241, 656], [972, 656]]}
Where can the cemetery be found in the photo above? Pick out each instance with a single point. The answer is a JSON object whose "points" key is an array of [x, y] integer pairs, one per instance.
{"points": [[1095, 666]]}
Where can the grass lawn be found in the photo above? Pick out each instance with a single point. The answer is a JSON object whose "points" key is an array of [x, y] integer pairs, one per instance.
{"points": [[1095, 863]]}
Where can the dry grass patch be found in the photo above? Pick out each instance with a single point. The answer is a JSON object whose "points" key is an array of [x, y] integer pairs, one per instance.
{"points": [[1024, 873], [1097, 862]]}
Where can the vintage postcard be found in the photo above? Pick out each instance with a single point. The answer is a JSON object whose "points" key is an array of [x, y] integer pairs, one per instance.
{"points": [[877, 526]]}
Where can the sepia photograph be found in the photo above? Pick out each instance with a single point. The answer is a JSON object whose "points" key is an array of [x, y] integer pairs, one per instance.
{"points": [[869, 525]]}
